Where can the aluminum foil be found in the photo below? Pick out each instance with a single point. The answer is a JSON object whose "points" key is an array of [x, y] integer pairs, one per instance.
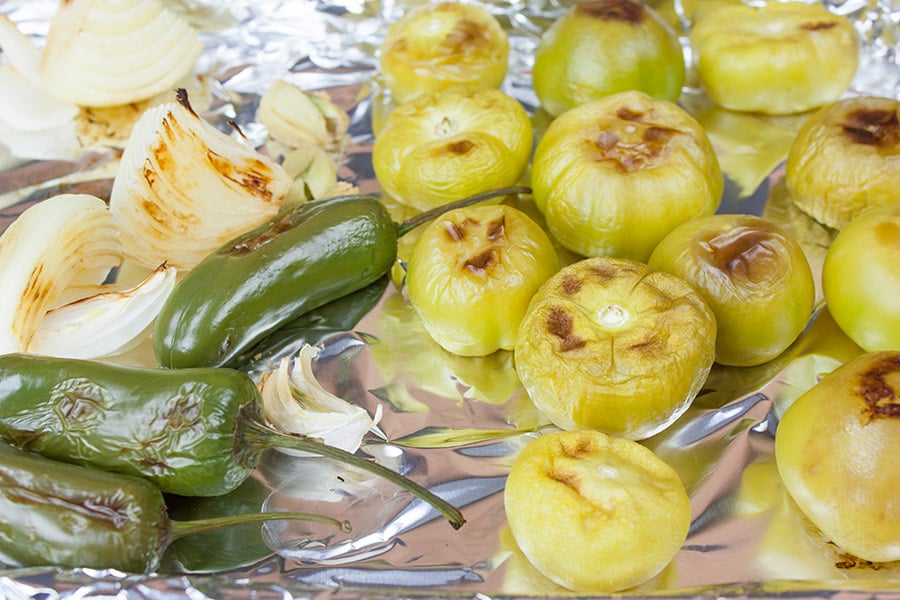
{"points": [[452, 423]]}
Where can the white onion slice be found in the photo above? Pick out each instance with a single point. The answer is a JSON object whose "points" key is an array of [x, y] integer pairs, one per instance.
{"points": [[67, 240], [295, 402], [297, 118], [112, 52], [184, 188], [106, 324]]}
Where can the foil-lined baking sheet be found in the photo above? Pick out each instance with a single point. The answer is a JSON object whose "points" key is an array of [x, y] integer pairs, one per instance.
{"points": [[453, 423]]}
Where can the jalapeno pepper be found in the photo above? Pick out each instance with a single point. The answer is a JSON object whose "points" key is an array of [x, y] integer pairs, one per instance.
{"points": [[192, 432], [57, 514], [302, 258]]}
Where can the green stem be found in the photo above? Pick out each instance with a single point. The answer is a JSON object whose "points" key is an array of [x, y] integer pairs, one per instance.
{"points": [[255, 435], [423, 217], [180, 529]]}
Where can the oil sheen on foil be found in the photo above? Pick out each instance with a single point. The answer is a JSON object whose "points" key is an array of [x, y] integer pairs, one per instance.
{"points": [[454, 423]]}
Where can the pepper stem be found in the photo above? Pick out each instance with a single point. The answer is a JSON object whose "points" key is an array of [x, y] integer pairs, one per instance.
{"points": [[180, 529], [256, 435], [430, 214]]}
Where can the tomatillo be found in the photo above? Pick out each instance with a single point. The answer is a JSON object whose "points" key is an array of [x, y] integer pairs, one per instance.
{"points": [[753, 275], [613, 176], [601, 47]]}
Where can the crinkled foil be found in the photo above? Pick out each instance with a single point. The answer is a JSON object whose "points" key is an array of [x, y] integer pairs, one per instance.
{"points": [[453, 423]]}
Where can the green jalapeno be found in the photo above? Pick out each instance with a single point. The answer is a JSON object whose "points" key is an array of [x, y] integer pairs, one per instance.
{"points": [[192, 432], [57, 514], [302, 258]]}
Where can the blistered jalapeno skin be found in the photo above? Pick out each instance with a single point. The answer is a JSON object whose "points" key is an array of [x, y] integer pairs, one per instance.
{"points": [[774, 57], [53, 513], [613, 176], [601, 47], [836, 448], [472, 274], [844, 159], [752, 274], [609, 344], [173, 427]]}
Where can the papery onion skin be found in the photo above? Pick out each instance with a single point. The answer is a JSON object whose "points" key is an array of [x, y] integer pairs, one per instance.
{"points": [[754, 276], [836, 448]]}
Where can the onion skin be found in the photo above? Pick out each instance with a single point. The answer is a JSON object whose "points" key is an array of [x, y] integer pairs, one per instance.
{"points": [[836, 448]]}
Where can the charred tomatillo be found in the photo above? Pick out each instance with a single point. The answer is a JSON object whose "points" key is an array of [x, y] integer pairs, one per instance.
{"points": [[462, 140], [595, 513], [753, 275], [600, 47], [773, 57], [846, 158], [861, 280], [836, 448], [436, 46], [613, 176], [609, 344], [472, 274]]}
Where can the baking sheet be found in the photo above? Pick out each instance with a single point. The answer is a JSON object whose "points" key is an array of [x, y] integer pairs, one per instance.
{"points": [[456, 423]]}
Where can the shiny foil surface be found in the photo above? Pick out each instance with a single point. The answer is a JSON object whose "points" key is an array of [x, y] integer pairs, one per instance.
{"points": [[455, 424]]}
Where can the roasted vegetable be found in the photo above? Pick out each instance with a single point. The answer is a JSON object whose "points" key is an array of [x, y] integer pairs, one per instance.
{"points": [[302, 258], [472, 274], [193, 432], [602, 47], [56, 514]]}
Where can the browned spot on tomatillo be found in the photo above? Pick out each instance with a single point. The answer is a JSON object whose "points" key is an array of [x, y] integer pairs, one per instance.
{"points": [[460, 147], [627, 11], [651, 345], [818, 26], [480, 262], [603, 272], [454, 231], [878, 395], [496, 229], [464, 36], [577, 447], [743, 253], [607, 140], [565, 477], [561, 325], [571, 283], [887, 234], [659, 135], [626, 114], [872, 127]]}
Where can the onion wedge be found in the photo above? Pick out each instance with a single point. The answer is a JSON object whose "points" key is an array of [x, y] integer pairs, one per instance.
{"points": [[68, 240], [184, 188], [298, 118], [114, 52], [295, 402], [106, 324]]}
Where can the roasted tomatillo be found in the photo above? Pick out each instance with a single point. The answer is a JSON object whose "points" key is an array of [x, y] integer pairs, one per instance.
{"points": [[753, 275], [436, 46], [846, 158], [609, 344], [773, 57], [836, 448], [472, 274], [450, 144], [613, 176], [601, 47]]}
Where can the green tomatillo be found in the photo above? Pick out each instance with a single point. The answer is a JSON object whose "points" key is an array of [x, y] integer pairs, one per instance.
{"points": [[472, 274], [613, 176], [754, 276], [600, 47]]}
